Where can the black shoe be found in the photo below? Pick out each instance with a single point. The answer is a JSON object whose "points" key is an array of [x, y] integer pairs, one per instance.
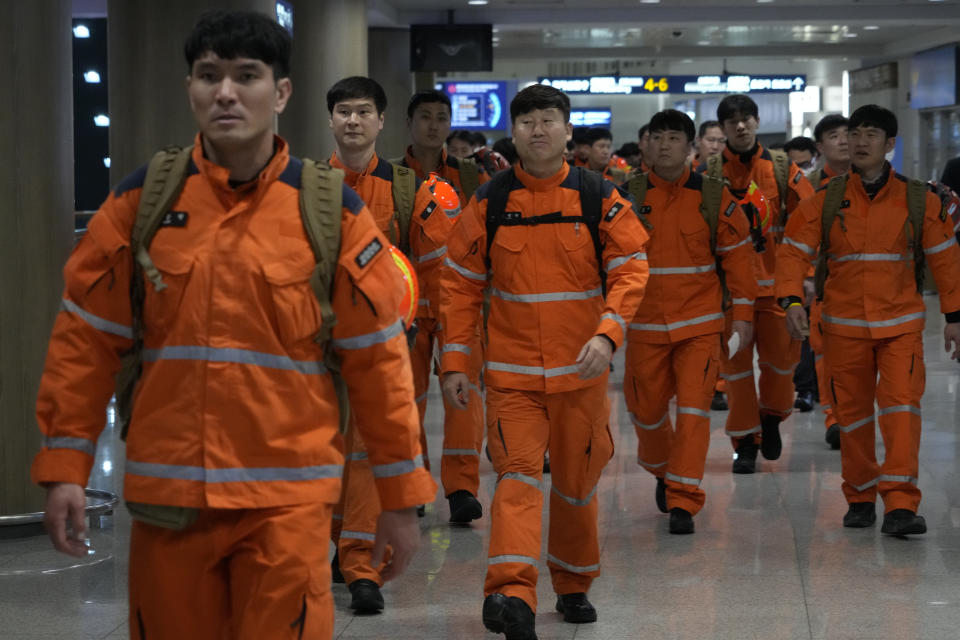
{"points": [[681, 521], [833, 436], [510, 616], [860, 515], [464, 507], [661, 495], [335, 573], [366, 596], [421, 510], [903, 522], [746, 460], [546, 463], [719, 403], [770, 444], [576, 608], [805, 401]]}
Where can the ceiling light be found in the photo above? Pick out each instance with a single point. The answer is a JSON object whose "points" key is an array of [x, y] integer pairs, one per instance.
{"points": [[477, 2], [649, 1], [81, 31], [764, 1], [101, 121], [871, 27], [92, 77], [850, 34], [703, 43], [106, 162]]}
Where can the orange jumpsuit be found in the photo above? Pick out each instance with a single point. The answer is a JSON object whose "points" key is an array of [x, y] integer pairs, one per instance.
{"points": [[778, 354], [235, 413], [674, 342], [355, 518], [546, 303], [873, 321]]}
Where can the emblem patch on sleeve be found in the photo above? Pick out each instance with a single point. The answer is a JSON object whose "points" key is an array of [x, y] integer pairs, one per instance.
{"points": [[430, 209], [645, 209], [796, 179], [614, 210], [175, 219], [368, 253], [730, 209]]}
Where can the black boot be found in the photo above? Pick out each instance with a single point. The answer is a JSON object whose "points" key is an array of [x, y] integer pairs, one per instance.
{"points": [[576, 608], [681, 521], [366, 596], [661, 495], [903, 522], [464, 507], [335, 573], [719, 403], [860, 515], [805, 402], [510, 616], [546, 463], [746, 460], [833, 436], [770, 444]]}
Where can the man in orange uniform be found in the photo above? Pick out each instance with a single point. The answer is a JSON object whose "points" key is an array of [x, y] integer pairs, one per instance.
{"points": [[428, 120], [544, 232], [756, 420], [873, 313], [600, 155], [356, 107], [235, 419], [674, 343]]}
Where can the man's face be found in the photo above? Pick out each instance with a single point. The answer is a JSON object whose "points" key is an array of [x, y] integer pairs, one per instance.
{"points": [[741, 131], [803, 158], [235, 101], [459, 148], [870, 145], [541, 136], [356, 123], [669, 149], [711, 142], [430, 125], [834, 148], [598, 157]]}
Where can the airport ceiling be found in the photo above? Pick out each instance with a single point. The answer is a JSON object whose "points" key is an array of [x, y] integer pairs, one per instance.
{"points": [[619, 29]]}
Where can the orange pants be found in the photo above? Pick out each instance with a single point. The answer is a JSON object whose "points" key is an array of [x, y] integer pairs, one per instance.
{"points": [[779, 355], [823, 376], [236, 574], [654, 374], [521, 427], [854, 364], [462, 429]]}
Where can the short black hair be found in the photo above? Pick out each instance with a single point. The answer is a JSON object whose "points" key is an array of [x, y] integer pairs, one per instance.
{"points": [[629, 149], [539, 96], [461, 134], [355, 88], [428, 97], [737, 104], [827, 124], [506, 148], [595, 134], [673, 120], [478, 139], [642, 131], [801, 143], [709, 124], [240, 34], [579, 135], [873, 115]]}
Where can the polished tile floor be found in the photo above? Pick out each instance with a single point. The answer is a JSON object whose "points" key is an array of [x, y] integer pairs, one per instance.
{"points": [[770, 559]]}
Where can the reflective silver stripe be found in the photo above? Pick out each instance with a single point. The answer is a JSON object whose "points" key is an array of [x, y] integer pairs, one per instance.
{"points": [[764, 283], [807, 249], [236, 356], [742, 301], [77, 444], [337, 516], [466, 273], [477, 389], [616, 318], [908, 479], [871, 257], [422, 396], [619, 262], [856, 425], [572, 567], [423, 302], [650, 465], [740, 375], [358, 535], [239, 474], [731, 247], [574, 501], [693, 412], [453, 346], [853, 322], [559, 296], [370, 339], [824, 407], [648, 427], [514, 368], [943, 246], [461, 452], [902, 408], [745, 432], [782, 372], [530, 480], [818, 358], [436, 253], [397, 468], [682, 480], [673, 326], [96, 321], [677, 271], [867, 485], [777, 228], [511, 558], [561, 371], [357, 455]]}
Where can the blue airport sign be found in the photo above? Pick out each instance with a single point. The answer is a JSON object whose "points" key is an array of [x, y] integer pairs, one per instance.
{"points": [[625, 85]]}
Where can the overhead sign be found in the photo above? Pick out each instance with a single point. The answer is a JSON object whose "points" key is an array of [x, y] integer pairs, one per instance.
{"points": [[596, 117], [476, 105], [612, 85]]}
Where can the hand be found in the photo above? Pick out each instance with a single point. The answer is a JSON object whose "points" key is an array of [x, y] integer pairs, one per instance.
{"points": [[456, 389], [951, 333], [595, 357], [745, 329], [400, 530], [66, 501], [809, 292], [797, 325]]}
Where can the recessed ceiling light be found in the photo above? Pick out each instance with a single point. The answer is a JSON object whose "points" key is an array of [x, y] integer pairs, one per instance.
{"points": [[703, 43], [850, 35], [476, 1], [649, 1], [871, 27], [764, 1], [81, 31]]}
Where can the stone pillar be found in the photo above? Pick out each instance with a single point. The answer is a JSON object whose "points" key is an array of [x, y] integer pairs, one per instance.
{"points": [[389, 54], [147, 72], [329, 43], [36, 224]]}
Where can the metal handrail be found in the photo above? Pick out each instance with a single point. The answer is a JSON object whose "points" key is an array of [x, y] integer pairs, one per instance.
{"points": [[99, 503]]}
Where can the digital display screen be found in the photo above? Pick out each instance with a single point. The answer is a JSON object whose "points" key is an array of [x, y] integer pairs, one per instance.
{"points": [[285, 15], [597, 117], [625, 85], [933, 78], [477, 105]]}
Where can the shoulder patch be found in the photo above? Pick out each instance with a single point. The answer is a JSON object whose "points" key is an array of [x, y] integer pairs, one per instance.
{"points": [[614, 210], [430, 209], [291, 174], [645, 209], [369, 252], [798, 177], [730, 209], [133, 181], [351, 201]]}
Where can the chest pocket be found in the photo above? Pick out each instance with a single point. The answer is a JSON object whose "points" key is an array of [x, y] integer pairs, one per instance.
{"points": [[579, 252], [506, 250], [161, 308], [296, 310], [696, 237]]}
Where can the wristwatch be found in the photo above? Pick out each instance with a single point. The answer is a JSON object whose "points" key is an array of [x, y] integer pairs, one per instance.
{"points": [[789, 300]]}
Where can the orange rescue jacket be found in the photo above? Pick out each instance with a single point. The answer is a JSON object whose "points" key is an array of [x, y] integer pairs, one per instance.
{"points": [[449, 170]]}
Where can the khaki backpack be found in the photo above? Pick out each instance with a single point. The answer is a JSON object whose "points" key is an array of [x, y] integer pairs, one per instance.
{"points": [[404, 189], [711, 196], [781, 174]]}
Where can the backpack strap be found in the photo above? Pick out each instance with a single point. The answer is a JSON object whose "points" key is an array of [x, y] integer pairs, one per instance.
{"points": [[916, 210], [711, 197], [469, 178], [831, 210], [715, 166], [404, 195], [637, 188], [781, 173], [591, 208], [498, 192]]}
